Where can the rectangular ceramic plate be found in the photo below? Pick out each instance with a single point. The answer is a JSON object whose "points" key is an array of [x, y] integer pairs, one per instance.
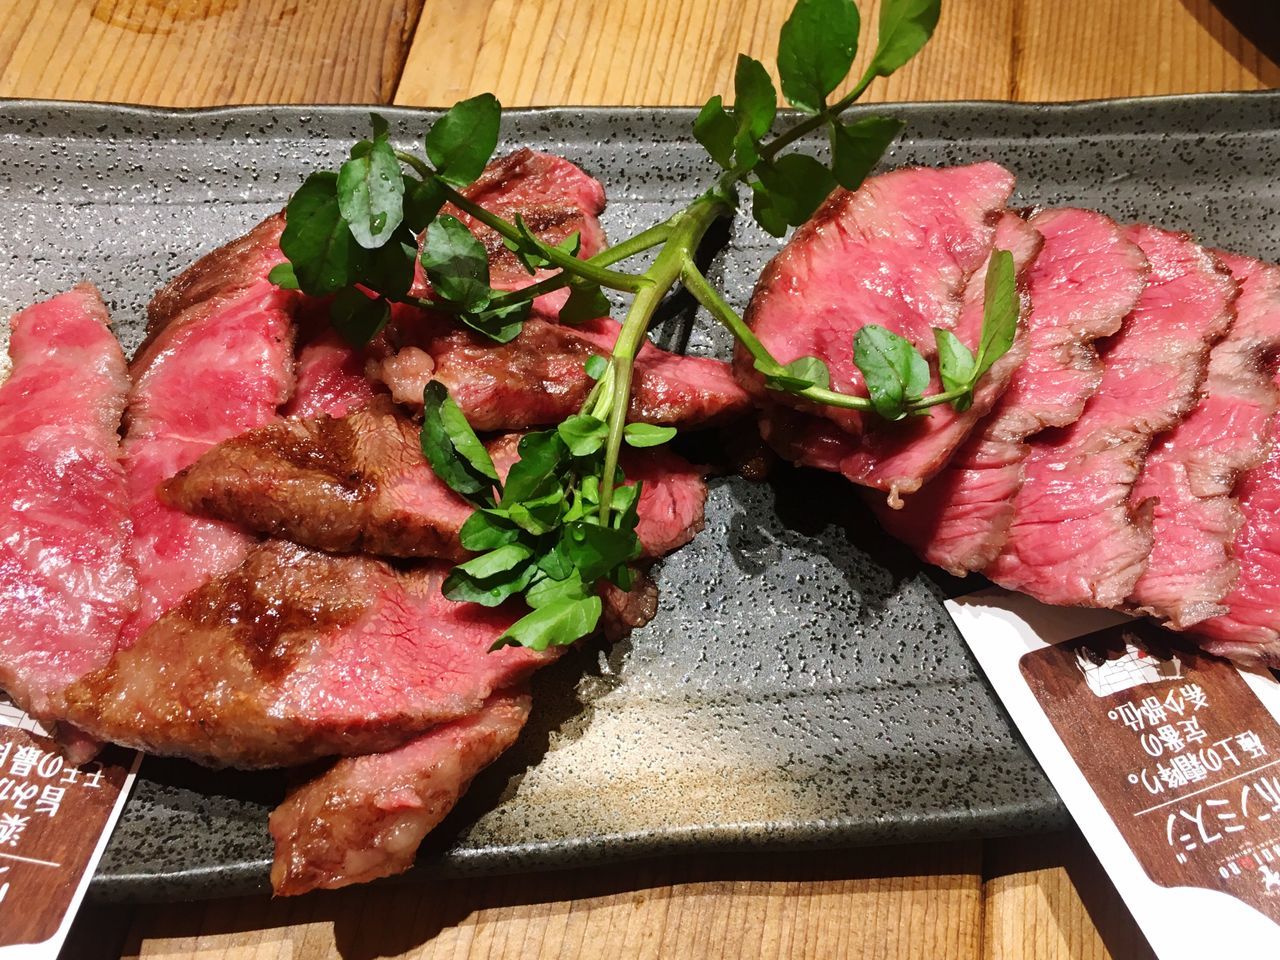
{"points": [[802, 685]]}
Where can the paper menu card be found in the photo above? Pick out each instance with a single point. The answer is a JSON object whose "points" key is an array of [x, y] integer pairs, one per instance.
{"points": [[1168, 760], [55, 820]]}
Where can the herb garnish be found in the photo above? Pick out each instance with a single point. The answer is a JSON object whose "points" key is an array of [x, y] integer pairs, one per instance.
{"points": [[563, 523]]}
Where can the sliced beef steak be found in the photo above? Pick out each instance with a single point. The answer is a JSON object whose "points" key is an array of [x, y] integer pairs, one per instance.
{"points": [[1249, 630], [1077, 536], [218, 360], [296, 655], [360, 483], [330, 379], [538, 378], [366, 816], [896, 456], [1192, 470], [353, 483], [899, 252], [1085, 280], [554, 197], [67, 581]]}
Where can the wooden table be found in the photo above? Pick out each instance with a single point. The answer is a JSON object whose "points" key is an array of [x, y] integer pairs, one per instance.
{"points": [[1038, 897]]}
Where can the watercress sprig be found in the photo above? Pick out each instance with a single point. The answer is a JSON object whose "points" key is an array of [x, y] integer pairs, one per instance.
{"points": [[562, 524]]}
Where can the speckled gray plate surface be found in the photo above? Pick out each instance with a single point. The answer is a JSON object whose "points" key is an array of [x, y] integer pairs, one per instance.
{"points": [[802, 685]]}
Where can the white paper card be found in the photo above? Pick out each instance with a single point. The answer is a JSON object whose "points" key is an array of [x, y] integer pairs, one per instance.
{"points": [[1169, 761], [55, 820]]}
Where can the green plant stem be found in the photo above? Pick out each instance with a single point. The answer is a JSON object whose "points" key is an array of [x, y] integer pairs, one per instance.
{"points": [[507, 299], [420, 166], [687, 230], [788, 137], [718, 307], [647, 239], [775, 146], [613, 279], [937, 399]]}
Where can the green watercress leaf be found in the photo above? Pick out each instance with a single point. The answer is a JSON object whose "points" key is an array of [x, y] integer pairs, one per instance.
{"points": [[371, 194], [492, 577], [755, 102], [766, 211], [583, 434], [595, 366], [999, 311], [422, 201], [461, 142], [501, 324], [316, 238], [799, 374], [541, 456], [586, 302], [444, 428], [456, 263], [745, 150], [502, 559], [465, 442], [797, 184], [487, 529], [905, 27], [626, 501], [894, 370], [595, 550], [646, 434], [357, 317], [556, 624], [815, 50], [555, 563], [389, 268], [956, 363], [541, 514], [549, 590], [857, 147], [282, 276], [715, 130]]}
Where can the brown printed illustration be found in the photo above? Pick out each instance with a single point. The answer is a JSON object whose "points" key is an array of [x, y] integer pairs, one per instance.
{"points": [[51, 818], [1180, 751]]}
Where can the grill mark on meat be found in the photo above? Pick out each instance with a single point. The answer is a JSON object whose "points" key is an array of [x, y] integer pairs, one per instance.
{"points": [[1077, 536], [343, 484], [360, 482], [218, 360], [269, 625], [544, 220], [1087, 278], [298, 655], [539, 377]]}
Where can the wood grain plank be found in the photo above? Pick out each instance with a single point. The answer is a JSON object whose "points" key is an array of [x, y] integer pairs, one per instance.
{"points": [[661, 52], [205, 52], [889, 903], [531, 52], [1080, 49], [1048, 898]]}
